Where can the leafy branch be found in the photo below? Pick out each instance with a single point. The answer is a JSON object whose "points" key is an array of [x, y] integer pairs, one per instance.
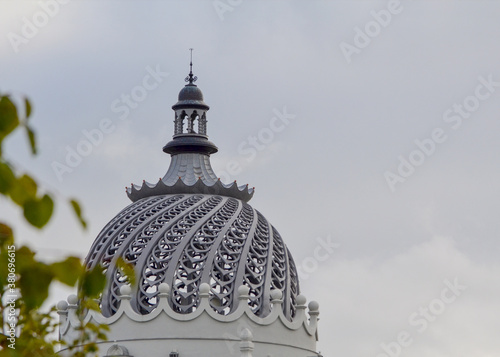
{"points": [[21, 274]]}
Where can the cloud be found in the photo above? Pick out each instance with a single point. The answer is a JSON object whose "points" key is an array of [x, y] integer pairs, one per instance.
{"points": [[374, 302]]}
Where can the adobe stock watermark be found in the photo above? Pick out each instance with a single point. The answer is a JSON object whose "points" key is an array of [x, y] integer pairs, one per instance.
{"points": [[454, 117], [420, 319], [31, 26], [322, 252], [121, 106], [10, 296], [363, 36], [223, 6], [253, 144]]}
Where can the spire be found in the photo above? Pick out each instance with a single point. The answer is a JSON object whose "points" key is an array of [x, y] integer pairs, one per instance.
{"points": [[190, 124], [190, 170], [190, 78]]}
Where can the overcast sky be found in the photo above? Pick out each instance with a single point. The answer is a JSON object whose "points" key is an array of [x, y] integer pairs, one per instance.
{"points": [[380, 169]]}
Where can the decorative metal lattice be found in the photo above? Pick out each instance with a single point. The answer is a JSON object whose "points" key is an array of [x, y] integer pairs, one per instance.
{"points": [[188, 239], [223, 277], [134, 246]]}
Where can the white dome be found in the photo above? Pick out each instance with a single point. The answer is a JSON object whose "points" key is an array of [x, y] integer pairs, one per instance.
{"points": [[185, 240], [210, 272]]}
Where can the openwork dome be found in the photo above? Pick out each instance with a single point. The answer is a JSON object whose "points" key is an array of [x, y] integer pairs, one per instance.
{"points": [[188, 239], [189, 228], [209, 272]]}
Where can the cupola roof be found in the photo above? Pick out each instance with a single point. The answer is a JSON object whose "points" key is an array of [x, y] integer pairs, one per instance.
{"points": [[190, 95], [190, 169]]}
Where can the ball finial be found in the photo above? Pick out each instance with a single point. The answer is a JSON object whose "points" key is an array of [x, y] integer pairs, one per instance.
{"points": [[301, 300], [243, 290], [164, 288], [313, 306], [246, 335], [125, 290], [204, 288], [73, 299], [276, 294], [62, 305]]}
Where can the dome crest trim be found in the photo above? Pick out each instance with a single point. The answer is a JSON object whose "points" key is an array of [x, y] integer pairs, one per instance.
{"points": [[304, 324]]}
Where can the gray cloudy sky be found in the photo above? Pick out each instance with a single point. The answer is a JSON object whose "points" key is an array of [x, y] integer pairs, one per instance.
{"points": [[380, 171]]}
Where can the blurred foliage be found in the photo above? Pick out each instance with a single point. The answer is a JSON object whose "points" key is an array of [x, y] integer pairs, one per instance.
{"points": [[127, 270], [27, 279]]}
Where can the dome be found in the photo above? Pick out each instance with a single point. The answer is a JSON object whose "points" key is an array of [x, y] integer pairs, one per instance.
{"points": [[190, 92], [190, 97], [188, 239], [191, 267]]}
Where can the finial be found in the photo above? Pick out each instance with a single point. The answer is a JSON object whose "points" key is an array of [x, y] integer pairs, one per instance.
{"points": [[190, 78], [191, 61]]}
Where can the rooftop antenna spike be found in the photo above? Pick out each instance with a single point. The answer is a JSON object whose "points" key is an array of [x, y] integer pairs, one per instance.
{"points": [[191, 78]]}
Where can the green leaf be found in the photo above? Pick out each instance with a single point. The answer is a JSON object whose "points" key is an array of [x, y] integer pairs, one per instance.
{"points": [[25, 258], [38, 212], [34, 283], [8, 117], [7, 178], [24, 189], [67, 271], [6, 235], [91, 304], [31, 138], [8, 352], [78, 211], [92, 282], [27, 106], [127, 270], [6, 247]]}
